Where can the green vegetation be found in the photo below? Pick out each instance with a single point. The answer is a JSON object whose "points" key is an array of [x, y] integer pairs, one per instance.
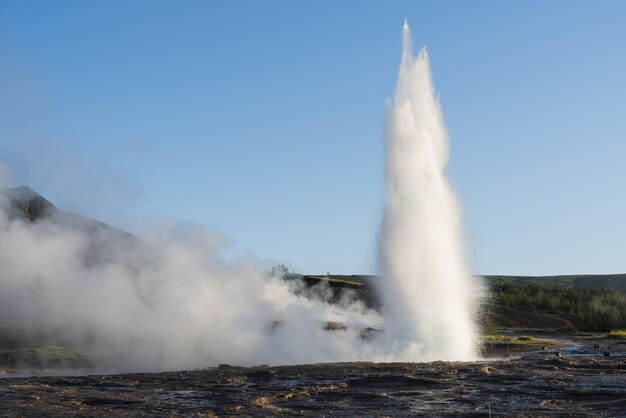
{"points": [[330, 279], [577, 281], [587, 309], [580, 302], [488, 326], [280, 270], [45, 356], [523, 340], [55, 352], [617, 334]]}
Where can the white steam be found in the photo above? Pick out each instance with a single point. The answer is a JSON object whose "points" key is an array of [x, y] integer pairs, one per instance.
{"points": [[428, 292], [165, 301], [168, 299]]}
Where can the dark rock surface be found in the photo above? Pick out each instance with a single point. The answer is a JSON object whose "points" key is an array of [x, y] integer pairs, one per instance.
{"points": [[23, 203], [582, 383]]}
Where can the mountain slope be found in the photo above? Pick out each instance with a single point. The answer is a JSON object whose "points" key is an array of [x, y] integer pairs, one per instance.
{"points": [[24, 204]]}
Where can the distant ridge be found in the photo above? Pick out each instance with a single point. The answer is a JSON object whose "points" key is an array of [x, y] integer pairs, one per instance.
{"points": [[574, 281], [25, 204], [566, 281]]}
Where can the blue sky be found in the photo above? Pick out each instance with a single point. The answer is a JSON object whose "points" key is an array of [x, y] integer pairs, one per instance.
{"points": [[264, 120]]}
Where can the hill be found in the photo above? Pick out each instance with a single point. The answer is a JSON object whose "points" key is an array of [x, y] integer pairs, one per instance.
{"points": [[579, 302], [573, 282], [577, 281], [22, 203]]}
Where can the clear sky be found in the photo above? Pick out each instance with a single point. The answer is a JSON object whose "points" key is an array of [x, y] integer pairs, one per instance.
{"points": [[264, 120]]}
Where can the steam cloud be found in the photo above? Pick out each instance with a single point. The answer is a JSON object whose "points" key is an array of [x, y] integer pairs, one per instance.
{"points": [[168, 300], [164, 301]]}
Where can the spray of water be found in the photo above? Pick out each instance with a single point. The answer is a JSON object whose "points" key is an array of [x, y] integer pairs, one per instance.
{"points": [[429, 294]]}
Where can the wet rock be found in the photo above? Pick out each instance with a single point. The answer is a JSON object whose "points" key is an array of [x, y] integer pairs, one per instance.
{"points": [[24, 203], [391, 381], [369, 333], [225, 367], [530, 385], [487, 369], [259, 374], [335, 326]]}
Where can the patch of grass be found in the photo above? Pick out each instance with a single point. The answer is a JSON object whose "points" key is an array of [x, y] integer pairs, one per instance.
{"points": [[488, 327], [333, 280], [523, 340], [7, 327], [617, 334], [55, 352], [500, 339], [52, 355]]}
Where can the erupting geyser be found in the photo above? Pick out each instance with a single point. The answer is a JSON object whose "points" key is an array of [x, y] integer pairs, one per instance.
{"points": [[427, 289]]}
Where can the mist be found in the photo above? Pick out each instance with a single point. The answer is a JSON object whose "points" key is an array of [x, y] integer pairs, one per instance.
{"points": [[165, 300], [169, 298]]}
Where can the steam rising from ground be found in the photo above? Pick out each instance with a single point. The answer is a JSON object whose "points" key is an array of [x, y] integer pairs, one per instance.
{"points": [[165, 301], [429, 294], [168, 299]]}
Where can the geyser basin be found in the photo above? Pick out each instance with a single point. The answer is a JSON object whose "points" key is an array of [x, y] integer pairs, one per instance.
{"points": [[168, 300]]}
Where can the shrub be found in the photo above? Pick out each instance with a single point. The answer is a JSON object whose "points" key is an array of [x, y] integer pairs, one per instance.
{"points": [[617, 334]]}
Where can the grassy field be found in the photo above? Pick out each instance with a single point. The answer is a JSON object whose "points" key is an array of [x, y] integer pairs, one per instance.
{"points": [[572, 282], [44, 357], [522, 340], [19, 347]]}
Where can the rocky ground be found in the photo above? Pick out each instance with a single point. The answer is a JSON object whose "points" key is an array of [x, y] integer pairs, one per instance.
{"points": [[575, 381]]}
